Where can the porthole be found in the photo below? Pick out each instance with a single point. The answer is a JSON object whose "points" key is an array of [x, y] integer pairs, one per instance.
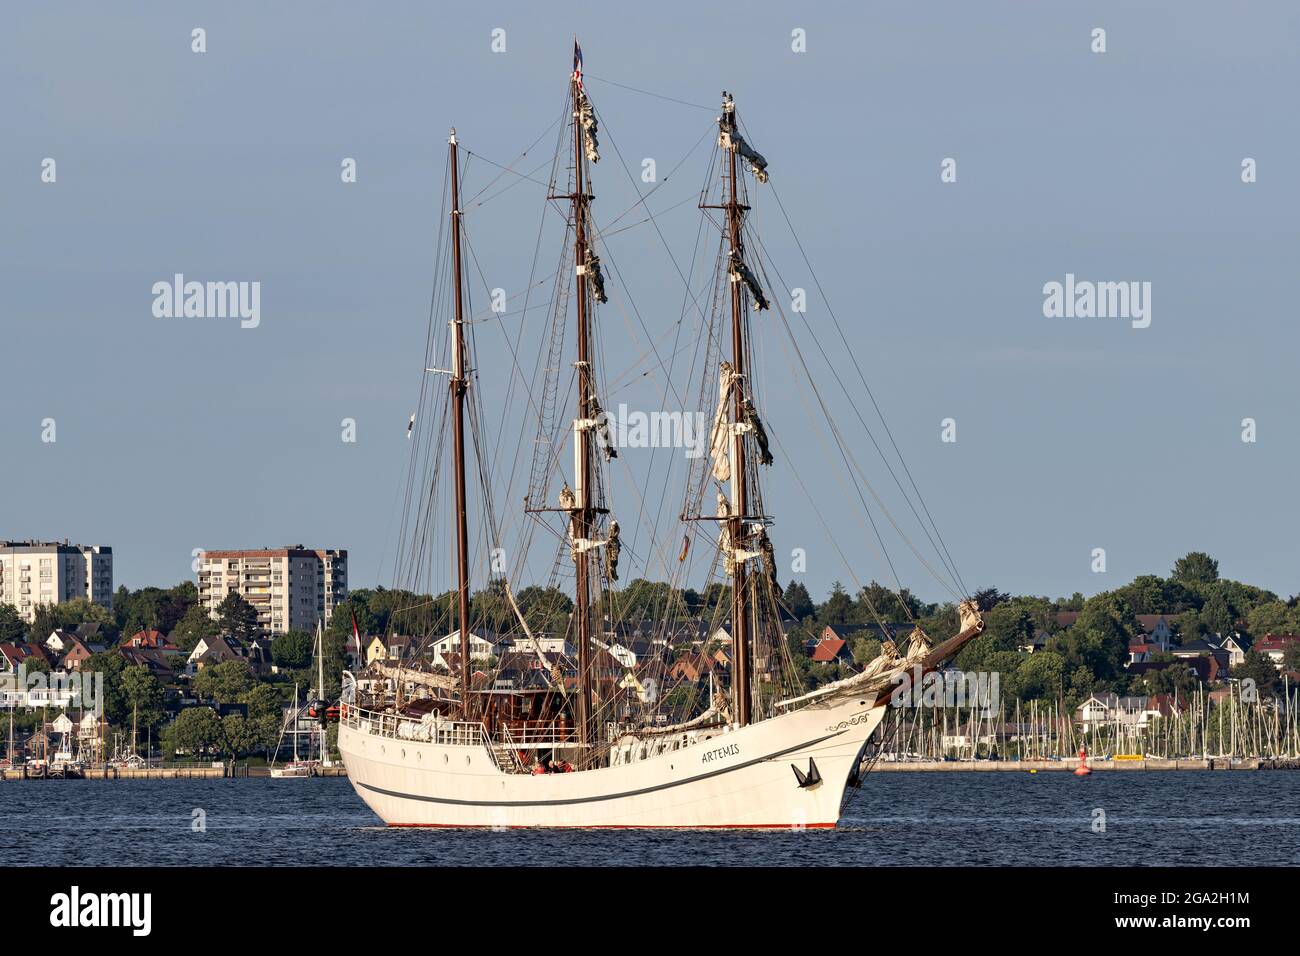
{"points": [[444, 758], [403, 753], [467, 760]]}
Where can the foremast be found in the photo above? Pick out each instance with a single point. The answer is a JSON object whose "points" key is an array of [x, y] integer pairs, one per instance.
{"points": [[744, 536], [459, 385]]}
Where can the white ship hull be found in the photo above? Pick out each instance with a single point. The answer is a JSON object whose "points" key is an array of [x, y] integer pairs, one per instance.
{"points": [[740, 778]]}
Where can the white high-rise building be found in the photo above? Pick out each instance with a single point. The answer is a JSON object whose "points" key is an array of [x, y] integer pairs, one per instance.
{"points": [[33, 573], [290, 588]]}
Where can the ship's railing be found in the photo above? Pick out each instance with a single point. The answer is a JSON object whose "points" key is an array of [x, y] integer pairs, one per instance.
{"points": [[537, 733], [401, 727]]}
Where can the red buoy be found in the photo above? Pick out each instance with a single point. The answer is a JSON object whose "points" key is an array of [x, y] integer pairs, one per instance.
{"points": [[1082, 770]]}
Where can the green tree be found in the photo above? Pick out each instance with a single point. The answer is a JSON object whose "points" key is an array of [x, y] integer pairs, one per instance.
{"points": [[865, 650], [838, 608], [1039, 676], [292, 650], [798, 600], [110, 666], [223, 683], [13, 629], [1259, 668], [196, 732], [1273, 617], [68, 615], [237, 617], [1196, 568], [194, 626], [143, 696], [160, 609], [1100, 637]]}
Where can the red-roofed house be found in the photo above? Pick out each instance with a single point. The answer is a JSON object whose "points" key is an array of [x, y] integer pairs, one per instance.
{"points": [[1273, 646], [151, 638], [832, 649], [1139, 652], [12, 655]]}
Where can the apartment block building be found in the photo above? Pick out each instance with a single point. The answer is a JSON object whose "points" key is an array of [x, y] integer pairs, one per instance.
{"points": [[290, 588], [33, 573]]}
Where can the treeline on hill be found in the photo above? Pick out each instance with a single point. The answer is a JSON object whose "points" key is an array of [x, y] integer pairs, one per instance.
{"points": [[136, 699], [1087, 657]]}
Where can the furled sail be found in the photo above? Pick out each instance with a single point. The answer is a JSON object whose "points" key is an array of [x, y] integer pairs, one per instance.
{"points": [[769, 561], [597, 278], [746, 275], [719, 443], [757, 164], [603, 437], [587, 120], [730, 139], [760, 433], [724, 533], [612, 548]]}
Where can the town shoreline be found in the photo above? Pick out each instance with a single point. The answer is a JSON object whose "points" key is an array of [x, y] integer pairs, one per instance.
{"points": [[1072, 763], [165, 773]]}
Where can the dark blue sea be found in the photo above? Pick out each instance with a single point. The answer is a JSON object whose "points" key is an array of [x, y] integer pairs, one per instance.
{"points": [[1233, 818]]}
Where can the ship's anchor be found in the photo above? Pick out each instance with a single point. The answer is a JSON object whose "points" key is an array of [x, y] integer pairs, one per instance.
{"points": [[810, 779]]}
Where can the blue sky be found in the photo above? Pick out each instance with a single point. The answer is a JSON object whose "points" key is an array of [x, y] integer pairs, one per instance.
{"points": [[1073, 434]]}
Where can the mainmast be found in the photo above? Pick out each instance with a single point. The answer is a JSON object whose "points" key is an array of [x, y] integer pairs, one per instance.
{"points": [[582, 512], [459, 385], [740, 637]]}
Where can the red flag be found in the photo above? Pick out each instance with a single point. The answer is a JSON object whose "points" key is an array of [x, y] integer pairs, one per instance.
{"points": [[577, 64]]}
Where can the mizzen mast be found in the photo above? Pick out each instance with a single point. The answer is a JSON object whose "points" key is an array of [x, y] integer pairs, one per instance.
{"points": [[459, 385], [740, 638]]}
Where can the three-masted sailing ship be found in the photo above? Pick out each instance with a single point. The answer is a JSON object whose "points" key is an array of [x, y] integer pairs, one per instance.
{"points": [[580, 744]]}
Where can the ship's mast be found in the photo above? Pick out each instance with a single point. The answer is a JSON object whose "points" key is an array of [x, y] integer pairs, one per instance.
{"points": [[459, 385], [581, 519], [740, 639]]}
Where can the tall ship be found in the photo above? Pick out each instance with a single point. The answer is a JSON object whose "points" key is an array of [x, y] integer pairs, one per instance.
{"points": [[712, 724]]}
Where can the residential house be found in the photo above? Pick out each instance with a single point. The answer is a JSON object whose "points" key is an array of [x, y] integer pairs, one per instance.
{"points": [[482, 644], [1140, 652], [1206, 668], [693, 668], [1273, 646], [1156, 629], [216, 650], [151, 639], [391, 647], [1096, 711], [832, 650], [1235, 645], [1199, 648], [1105, 710], [1037, 643], [13, 655], [157, 661], [70, 649]]}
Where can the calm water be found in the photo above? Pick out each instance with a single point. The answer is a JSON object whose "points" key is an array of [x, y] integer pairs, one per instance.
{"points": [[931, 819]]}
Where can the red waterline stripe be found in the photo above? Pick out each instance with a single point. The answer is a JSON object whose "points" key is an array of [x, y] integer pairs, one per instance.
{"points": [[622, 826]]}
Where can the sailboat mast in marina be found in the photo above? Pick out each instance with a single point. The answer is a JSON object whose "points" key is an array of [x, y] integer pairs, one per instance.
{"points": [[576, 737]]}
